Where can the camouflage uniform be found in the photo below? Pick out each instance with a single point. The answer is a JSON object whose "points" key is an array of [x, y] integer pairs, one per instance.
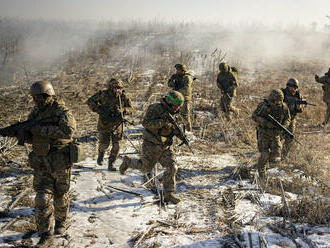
{"points": [[268, 135], [290, 99], [227, 83], [325, 80], [50, 159], [183, 84], [157, 146], [109, 106]]}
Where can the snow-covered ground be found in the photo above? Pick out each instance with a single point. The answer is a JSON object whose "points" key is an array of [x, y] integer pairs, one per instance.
{"points": [[102, 216]]}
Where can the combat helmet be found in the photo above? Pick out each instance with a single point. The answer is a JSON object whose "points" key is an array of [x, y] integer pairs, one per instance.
{"points": [[175, 97], [276, 95], [115, 83], [181, 67], [223, 67], [293, 82], [42, 87]]}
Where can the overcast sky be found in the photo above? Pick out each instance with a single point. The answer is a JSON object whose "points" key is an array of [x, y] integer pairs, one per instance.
{"points": [[268, 11]]}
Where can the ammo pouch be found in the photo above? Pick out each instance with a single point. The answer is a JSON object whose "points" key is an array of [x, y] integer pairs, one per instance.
{"points": [[77, 153], [40, 145]]}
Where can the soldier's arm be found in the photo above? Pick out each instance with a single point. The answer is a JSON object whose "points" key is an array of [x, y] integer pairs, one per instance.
{"points": [[171, 82], [287, 117], [64, 130], [153, 119], [93, 102], [233, 81], [127, 105], [219, 82], [187, 82], [257, 115], [322, 80]]}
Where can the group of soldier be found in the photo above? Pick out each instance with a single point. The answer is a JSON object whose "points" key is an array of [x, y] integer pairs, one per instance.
{"points": [[52, 135]]}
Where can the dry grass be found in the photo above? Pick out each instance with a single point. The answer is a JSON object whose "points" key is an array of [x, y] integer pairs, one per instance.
{"points": [[84, 73]]}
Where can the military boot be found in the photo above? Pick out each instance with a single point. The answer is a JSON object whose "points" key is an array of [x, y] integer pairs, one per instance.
{"points": [[124, 165], [100, 158], [46, 240], [170, 197], [60, 227], [110, 166]]}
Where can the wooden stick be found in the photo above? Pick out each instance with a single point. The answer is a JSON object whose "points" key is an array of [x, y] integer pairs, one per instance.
{"points": [[18, 198], [153, 178], [124, 190], [144, 235], [9, 224]]}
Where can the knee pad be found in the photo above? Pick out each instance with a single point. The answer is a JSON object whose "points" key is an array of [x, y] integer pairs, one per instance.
{"points": [[42, 200]]}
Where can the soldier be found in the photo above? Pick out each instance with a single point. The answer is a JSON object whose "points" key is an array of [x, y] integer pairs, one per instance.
{"points": [[182, 82], [157, 143], [291, 96], [268, 135], [227, 83], [111, 105], [50, 159], [325, 80]]}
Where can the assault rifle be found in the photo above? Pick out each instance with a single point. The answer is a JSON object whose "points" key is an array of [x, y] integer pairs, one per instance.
{"points": [[299, 102], [178, 130], [21, 129], [280, 126]]}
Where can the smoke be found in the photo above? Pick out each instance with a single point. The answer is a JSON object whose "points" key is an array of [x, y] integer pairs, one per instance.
{"points": [[156, 44]]}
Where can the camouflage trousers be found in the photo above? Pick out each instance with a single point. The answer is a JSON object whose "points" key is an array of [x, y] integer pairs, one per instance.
{"points": [[47, 186], [187, 115], [288, 141], [327, 114], [226, 103], [104, 142], [269, 147], [151, 154]]}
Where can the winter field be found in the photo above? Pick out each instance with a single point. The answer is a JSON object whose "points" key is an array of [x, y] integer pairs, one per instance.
{"points": [[223, 203]]}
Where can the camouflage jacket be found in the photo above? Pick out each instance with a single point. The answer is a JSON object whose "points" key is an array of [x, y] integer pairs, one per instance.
{"points": [[109, 107], [289, 99], [182, 83], [325, 80], [280, 113], [55, 132], [157, 128], [227, 81]]}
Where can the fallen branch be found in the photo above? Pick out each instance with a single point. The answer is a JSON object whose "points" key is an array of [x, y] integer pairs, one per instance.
{"points": [[9, 224], [18, 198], [125, 191], [277, 230], [142, 237]]}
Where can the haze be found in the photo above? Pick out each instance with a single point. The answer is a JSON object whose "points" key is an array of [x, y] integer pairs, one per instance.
{"points": [[263, 11]]}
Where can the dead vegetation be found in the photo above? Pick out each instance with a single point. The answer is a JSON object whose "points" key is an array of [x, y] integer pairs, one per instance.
{"points": [[145, 70]]}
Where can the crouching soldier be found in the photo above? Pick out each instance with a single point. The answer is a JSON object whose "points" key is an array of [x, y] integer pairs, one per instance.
{"points": [[268, 134], [111, 105], [49, 128], [157, 143]]}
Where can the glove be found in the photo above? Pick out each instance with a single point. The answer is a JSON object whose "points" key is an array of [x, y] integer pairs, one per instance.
{"points": [[317, 78], [269, 124]]}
